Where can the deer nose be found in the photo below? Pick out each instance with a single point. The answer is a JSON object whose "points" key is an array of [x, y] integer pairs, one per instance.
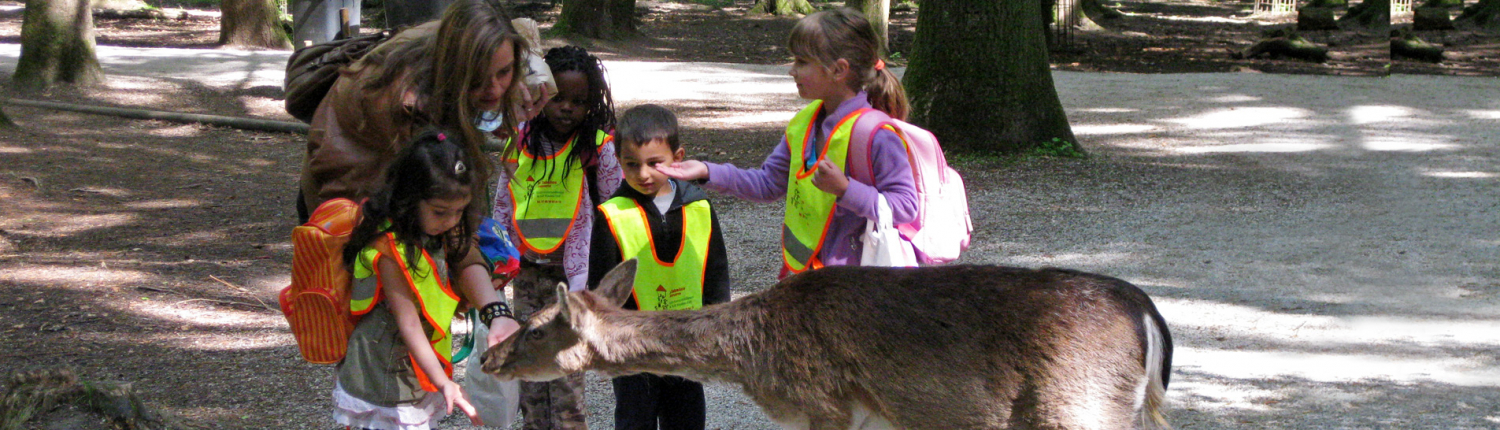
{"points": [[483, 358]]}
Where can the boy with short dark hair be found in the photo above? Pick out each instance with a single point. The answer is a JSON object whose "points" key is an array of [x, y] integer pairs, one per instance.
{"points": [[670, 228]]}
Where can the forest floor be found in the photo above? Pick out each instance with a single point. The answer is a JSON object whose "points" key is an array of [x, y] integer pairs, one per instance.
{"points": [[1323, 247]]}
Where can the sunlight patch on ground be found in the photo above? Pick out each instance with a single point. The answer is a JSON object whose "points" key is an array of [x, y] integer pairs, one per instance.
{"points": [[6, 149], [1483, 114], [1108, 129], [633, 82], [105, 191], [59, 225], [1235, 98], [1460, 175], [241, 338], [1212, 19], [1406, 142], [270, 284], [1071, 259], [1333, 367], [1225, 319], [1275, 147], [770, 117], [1361, 115], [164, 204], [194, 237], [57, 276], [1212, 394], [1242, 117], [229, 311], [183, 130], [1106, 110]]}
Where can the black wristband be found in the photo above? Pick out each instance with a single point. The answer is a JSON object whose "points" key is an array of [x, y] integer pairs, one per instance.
{"points": [[490, 311]]}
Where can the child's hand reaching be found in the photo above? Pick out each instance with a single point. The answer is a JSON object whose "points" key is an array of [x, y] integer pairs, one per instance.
{"points": [[689, 170], [454, 395], [830, 178], [500, 329]]}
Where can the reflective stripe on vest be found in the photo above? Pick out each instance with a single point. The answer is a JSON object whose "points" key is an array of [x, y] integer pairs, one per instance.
{"points": [[545, 195], [428, 279], [809, 210], [662, 285]]}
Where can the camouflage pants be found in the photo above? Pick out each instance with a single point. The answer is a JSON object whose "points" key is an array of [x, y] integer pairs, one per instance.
{"points": [[556, 404]]}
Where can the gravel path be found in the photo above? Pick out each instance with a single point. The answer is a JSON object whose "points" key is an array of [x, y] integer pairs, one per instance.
{"points": [[1325, 250]]}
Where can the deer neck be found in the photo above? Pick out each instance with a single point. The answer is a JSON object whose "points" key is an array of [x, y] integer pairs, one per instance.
{"points": [[706, 344]]}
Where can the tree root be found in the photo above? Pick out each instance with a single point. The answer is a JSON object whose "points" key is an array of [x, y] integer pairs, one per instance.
{"points": [[36, 392], [1283, 43], [1406, 44]]}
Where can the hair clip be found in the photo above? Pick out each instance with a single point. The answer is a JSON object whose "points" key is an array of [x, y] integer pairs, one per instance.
{"points": [[879, 64], [459, 167], [441, 137]]}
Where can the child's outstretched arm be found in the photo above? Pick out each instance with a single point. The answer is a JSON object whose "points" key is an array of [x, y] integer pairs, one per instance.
{"points": [[766, 184], [403, 303], [475, 284]]}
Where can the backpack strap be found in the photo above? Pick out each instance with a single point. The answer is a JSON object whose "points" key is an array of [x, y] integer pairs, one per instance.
{"points": [[861, 162]]}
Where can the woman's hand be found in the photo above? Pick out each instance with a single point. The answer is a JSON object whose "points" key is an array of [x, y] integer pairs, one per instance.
{"points": [[453, 395], [500, 329], [830, 178], [532, 104], [689, 170]]}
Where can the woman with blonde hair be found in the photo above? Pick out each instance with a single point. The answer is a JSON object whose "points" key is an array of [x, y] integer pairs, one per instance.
{"points": [[461, 73]]}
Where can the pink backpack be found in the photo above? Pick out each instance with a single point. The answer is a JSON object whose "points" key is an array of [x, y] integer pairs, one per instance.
{"points": [[942, 228]]}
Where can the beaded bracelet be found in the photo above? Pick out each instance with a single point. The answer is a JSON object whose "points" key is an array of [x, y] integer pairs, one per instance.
{"points": [[490, 311]]}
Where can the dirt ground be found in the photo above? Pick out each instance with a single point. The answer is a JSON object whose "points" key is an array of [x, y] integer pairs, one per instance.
{"points": [[150, 251]]}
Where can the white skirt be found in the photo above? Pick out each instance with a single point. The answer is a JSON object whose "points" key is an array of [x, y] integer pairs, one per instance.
{"points": [[355, 413]]}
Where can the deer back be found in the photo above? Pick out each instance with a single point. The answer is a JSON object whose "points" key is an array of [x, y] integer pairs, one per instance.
{"points": [[951, 347]]}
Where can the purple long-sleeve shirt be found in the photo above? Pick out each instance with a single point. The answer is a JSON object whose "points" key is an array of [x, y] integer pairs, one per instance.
{"points": [[893, 179]]}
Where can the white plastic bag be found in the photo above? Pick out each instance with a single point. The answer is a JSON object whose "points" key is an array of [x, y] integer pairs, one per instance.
{"points": [[497, 401], [883, 245]]}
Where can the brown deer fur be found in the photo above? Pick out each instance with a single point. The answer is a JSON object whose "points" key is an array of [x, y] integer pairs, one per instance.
{"points": [[955, 347]]}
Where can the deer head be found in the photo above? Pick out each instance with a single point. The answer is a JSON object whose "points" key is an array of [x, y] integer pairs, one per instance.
{"points": [[553, 342]]}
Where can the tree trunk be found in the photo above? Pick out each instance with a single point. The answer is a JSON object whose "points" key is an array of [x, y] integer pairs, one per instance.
{"points": [[879, 14], [57, 45], [979, 78], [252, 24], [1373, 15], [582, 17], [400, 13], [622, 17], [1482, 15], [782, 7]]}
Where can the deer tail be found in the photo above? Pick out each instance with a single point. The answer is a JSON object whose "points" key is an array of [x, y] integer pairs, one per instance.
{"points": [[1158, 365]]}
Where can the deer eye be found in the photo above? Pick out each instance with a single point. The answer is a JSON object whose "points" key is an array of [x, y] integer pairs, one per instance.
{"points": [[534, 334]]}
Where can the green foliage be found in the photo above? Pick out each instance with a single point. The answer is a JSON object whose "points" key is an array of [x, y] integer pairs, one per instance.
{"points": [[1058, 147]]}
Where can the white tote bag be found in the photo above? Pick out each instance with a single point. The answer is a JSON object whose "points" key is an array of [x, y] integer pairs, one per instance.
{"points": [[497, 401], [883, 245]]}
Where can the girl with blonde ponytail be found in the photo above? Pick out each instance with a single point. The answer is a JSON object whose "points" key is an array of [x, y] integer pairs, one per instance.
{"points": [[838, 65]]}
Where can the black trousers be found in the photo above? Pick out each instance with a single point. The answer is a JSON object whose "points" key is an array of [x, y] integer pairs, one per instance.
{"points": [[643, 401]]}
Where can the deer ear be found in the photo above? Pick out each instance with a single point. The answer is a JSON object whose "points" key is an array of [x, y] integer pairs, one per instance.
{"points": [[566, 308], [618, 284]]}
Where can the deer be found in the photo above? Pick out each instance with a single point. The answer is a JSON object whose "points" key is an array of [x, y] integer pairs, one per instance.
{"points": [[942, 347]]}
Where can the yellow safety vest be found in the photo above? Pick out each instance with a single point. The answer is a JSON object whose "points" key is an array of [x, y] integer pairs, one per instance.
{"points": [[429, 282], [809, 210], [662, 285], [546, 196]]}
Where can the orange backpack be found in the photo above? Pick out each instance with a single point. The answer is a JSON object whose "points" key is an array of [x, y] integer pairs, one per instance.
{"points": [[317, 303]]}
